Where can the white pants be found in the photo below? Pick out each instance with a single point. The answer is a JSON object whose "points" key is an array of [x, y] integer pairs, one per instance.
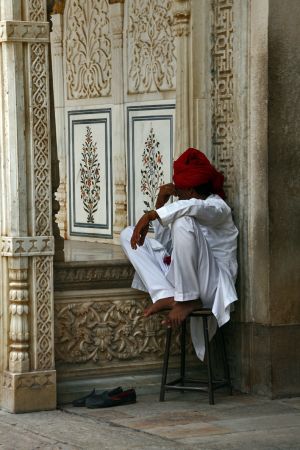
{"points": [[193, 272]]}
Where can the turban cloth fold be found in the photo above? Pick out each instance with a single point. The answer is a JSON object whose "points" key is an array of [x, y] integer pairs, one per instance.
{"points": [[192, 169]]}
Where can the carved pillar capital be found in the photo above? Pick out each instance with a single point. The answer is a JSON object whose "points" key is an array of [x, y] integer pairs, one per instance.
{"points": [[181, 15]]}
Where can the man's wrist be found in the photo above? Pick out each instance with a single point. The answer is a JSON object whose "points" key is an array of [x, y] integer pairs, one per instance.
{"points": [[152, 215]]}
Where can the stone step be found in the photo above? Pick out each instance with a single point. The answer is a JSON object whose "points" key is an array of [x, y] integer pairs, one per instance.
{"points": [[92, 265]]}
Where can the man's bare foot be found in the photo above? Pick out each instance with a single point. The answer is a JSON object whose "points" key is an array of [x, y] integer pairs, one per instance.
{"points": [[180, 311], [164, 303]]}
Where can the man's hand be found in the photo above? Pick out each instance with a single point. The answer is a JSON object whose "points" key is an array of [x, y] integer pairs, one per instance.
{"points": [[141, 229], [165, 192]]}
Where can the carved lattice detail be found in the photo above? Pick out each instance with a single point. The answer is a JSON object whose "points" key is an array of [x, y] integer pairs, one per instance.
{"points": [[40, 137], [222, 91], [151, 46], [107, 331], [37, 10], [88, 49], [44, 312]]}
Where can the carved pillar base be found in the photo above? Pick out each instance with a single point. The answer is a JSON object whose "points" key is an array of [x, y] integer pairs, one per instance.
{"points": [[28, 392]]}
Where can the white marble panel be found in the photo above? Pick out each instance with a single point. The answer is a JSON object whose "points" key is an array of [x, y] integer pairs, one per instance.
{"points": [[90, 178], [150, 137]]}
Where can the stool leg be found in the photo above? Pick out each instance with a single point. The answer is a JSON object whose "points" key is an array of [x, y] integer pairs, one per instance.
{"points": [[209, 369], [226, 365], [165, 365], [182, 352]]}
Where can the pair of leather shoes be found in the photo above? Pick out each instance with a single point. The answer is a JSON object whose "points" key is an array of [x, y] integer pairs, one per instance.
{"points": [[107, 399], [79, 402]]}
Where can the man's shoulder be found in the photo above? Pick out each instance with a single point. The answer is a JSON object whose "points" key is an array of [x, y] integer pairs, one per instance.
{"points": [[215, 199]]}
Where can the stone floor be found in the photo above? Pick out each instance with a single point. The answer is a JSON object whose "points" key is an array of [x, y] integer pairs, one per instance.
{"points": [[184, 421]]}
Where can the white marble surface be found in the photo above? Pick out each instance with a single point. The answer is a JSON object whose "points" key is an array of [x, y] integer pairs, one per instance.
{"points": [[92, 251]]}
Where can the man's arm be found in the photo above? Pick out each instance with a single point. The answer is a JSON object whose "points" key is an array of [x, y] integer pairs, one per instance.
{"points": [[165, 192], [142, 227], [209, 212]]}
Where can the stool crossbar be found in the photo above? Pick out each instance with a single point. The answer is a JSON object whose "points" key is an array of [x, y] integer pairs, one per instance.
{"points": [[210, 384]]}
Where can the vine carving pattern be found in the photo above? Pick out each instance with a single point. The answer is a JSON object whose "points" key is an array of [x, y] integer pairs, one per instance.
{"points": [[151, 46], [39, 83], [44, 312], [37, 10], [152, 171], [88, 49], [222, 91], [102, 332]]}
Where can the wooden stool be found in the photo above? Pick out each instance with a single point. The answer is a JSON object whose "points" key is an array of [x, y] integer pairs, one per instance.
{"points": [[209, 385]]}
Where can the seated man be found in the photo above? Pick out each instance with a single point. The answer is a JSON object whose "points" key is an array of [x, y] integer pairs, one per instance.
{"points": [[192, 260]]}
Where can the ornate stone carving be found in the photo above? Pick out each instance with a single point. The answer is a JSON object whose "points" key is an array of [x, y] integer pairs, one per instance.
{"points": [[15, 31], [88, 49], [181, 14], [102, 332], [26, 246], [37, 10], [151, 48], [19, 309], [40, 137], [44, 312], [222, 91], [36, 380], [101, 275], [33, 379]]}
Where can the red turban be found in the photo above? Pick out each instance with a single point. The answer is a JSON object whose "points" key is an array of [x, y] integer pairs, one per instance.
{"points": [[192, 169]]}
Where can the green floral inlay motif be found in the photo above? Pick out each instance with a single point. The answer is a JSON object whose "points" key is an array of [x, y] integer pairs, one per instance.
{"points": [[152, 171], [89, 176]]}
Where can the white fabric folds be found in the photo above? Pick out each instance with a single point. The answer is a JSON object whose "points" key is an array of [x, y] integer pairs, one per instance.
{"points": [[201, 238]]}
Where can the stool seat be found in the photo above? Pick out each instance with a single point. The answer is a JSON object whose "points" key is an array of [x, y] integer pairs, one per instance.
{"points": [[209, 385]]}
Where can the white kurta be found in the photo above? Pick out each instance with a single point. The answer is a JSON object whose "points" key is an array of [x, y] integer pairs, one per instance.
{"points": [[201, 238]]}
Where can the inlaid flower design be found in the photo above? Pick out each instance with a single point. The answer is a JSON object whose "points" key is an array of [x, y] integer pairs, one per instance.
{"points": [[152, 171], [89, 176]]}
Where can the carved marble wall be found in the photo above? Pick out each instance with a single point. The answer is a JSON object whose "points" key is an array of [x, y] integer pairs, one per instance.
{"points": [[87, 49], [151, 46], [107, 334], [99, 47]]}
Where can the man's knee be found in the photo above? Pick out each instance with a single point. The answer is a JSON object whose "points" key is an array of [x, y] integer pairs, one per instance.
{"points": [[183, 224], [125, 235]]}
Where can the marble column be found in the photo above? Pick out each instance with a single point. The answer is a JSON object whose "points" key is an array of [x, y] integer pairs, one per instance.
{"points": [[27, 354], [119, 158], [183, 132], [59, 105]]}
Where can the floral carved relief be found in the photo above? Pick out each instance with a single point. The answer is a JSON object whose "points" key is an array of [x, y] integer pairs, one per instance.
{"points": [[89, 176], [101, 332], [151, 49], [152, 171], [88, 49]]}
